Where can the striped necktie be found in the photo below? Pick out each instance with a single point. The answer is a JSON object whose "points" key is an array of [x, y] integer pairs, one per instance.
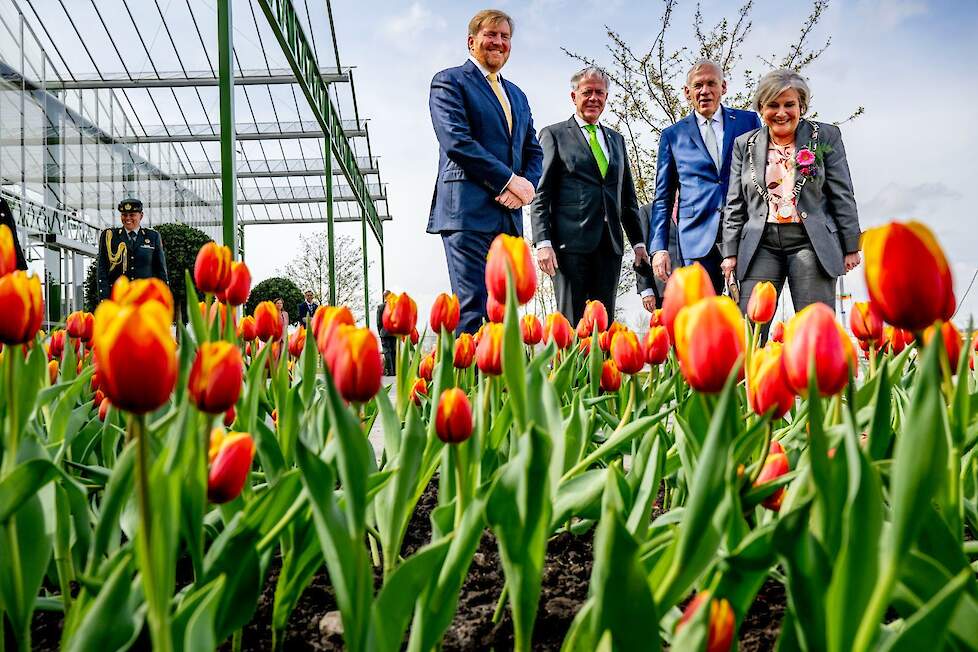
{"points": [[493, 78]]}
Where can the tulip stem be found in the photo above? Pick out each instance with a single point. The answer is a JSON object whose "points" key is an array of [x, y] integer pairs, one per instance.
{"points": [[497, 614], [764, 453], [461, 491]]}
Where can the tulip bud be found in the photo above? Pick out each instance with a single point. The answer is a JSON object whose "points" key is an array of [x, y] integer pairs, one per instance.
{"points": [[777, 332], [464, 351], [453, 419], [584, 345], [239, 285], [418, 389], [21, 307], [769, 388], [627, 352], [656, 345], [268, 321], [415, 337], [135, 354], [247, 328], [893, 340], [140, 291], [400, 314], [595, 313], [952, 342], [103, 409], [865, 321], [656, 319], [229, 417], [426, 368], [230, 464], [98, 398], [558, 329], [710, 343], [489, 351], [775, 465], [353, 359], [56, 345], [532, 330], [685, 286], [510, 252], [901, 259], [80, 325], [215, 377], [221, 310], [297, 341], [762, 303], [444, 313], [8, 255], [604, 339], [721, 623], [582, 330], [212, 269], [813, 336], [53, 371], [610, 377], [495, 311]]}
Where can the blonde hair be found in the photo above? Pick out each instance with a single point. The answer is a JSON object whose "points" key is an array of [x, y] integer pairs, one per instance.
{"points": [[489, 17], [778, 81]]}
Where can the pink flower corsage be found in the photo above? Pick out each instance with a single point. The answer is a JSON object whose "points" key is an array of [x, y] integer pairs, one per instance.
{"points": [[805, 161]]}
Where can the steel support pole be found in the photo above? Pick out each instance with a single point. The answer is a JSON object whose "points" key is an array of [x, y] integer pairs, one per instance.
{"points": [[226, 84], [366, 284], [330, 232]]}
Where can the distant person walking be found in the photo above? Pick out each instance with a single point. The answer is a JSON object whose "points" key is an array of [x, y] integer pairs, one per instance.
{"points": [[284, 316], [388, 342], [308, 307]]}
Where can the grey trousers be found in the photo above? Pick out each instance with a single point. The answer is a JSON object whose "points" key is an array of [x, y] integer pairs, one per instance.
{"points": [[786, 252]]}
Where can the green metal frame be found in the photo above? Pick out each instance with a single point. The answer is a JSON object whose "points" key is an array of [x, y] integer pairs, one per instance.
{"points": [[229, 180]]}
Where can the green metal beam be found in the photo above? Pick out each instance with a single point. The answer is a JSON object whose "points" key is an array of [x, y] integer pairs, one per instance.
{"points": [[287, 27], [366, 267], [330, 237], [229, 182]]}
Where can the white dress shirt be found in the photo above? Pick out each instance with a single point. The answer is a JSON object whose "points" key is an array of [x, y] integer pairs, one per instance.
{"points": [[716, 121], [509, 107]]}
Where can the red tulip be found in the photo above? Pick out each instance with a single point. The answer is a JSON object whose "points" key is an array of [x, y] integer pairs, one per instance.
{"points": [[80, 325], [952, 342], [415, 337], [212, 269], [685, 286], [140, 291], [268, 321], [8, 255], [865, 321], [464, 351], [721, 623], [353, 359], [444, 313], [239, 286], [297, 341], [893, 339], [325, 322], [426, 368], [510, 252], [595, 313], [229, 417], [710, 343], [98, 398], [532, 330], [215, 377], [777, 332], [53, 371], [656, 318], [247, 328], [558, 329], [495, 310], [584, 345], [103, 409], [56, 345], [400, 314], [656, 345], [21, 307], [230, 464], [769, 386], [610, 377], [604, 338], [489, 351], [221, 310], [762, 303], [907, 275], [453, 419], [775, 465], [419, 389], [627, 352], [814, 336]]}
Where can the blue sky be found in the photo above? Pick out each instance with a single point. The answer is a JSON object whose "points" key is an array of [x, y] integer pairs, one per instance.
{"points": [[910, 63]]}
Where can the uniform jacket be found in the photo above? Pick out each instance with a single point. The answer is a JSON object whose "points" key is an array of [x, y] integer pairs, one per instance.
{"points": [[825, 203], [477, 155], [7, 217], [116, 257], [685, 166], [573, 202]]}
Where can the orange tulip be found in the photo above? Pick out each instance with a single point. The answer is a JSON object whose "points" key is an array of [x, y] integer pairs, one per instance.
{"points": [[581, 329], [268, 322], [721, 623], [103, 409], [610, 376], [131, 293], [532, 330], [419, 389], [595, 313], [685, 286], [80, 324], [326, 320], [627, 352], [656, 345], [813, 335], [769, 388], [762, 303], [222, 310], [953, 342], [489, 351], [239, 286], [353, 359], [53, 371], [584, 345], [247, 328], [777, 332], [495, 311], [230, 457], [98, 398], [464, 351], [865, 321], [775, 465], [604, 338], [453, 419], [21, 307], [8, 256], [212, 269], [710, 342], [512, 252], [135, 354], [400, 314], [56, 345], [557, 328], [426, 368], [907, 275], [215, 377], [656, 318], [444, 313], [297, 341]]}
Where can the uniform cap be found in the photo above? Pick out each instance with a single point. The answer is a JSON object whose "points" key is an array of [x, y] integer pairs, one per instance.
{"points": [[130, 205]]}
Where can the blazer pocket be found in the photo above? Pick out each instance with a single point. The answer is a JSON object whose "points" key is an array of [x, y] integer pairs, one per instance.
{"points": [[831, 225], [453, 174]]}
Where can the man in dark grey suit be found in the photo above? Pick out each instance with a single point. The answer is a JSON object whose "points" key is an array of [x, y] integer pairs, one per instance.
{"points": [[584, 199], [650, 287]]}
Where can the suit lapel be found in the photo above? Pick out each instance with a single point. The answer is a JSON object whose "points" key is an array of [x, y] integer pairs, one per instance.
{"points": [[729, 124], [577, 135], [483, 85], [692, 125], [802, 135], [613, 157]]}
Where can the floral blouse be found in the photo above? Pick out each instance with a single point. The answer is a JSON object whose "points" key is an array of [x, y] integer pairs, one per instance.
{"points": [[780, 178]]}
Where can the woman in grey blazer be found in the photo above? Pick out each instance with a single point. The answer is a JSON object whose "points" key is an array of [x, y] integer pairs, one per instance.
{"points": [[790, 211]]}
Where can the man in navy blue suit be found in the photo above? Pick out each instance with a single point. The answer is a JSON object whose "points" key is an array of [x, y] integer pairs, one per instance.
{"points": [[694, 161], [489, 160]]}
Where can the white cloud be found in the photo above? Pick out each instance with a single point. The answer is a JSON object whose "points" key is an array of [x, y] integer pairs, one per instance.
{"points": [[903, 202], [890, 13], [416, 20]]}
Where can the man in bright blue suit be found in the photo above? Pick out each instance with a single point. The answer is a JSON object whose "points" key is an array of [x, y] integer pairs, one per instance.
{"points": [[489, 160], [694, 161]]}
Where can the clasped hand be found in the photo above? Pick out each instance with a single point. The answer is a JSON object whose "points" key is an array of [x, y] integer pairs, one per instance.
{"points": [[518, 193]]}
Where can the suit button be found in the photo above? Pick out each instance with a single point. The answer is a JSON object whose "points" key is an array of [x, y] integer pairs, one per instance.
{"points": [[804, 215]]}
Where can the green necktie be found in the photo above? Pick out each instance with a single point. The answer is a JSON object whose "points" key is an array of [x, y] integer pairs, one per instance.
{"points": [[596, 149]]}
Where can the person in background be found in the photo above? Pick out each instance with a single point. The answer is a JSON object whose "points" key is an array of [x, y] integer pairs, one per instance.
{"points": [[284, 316], [129, 250], [650, 287], [791, 212], [7, 218], [387, 342], [308, 307]]}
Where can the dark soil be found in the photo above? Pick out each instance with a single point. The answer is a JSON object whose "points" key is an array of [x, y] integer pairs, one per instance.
{"points": [[762, 624]]}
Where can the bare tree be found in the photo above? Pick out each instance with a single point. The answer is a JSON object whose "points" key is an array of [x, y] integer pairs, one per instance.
{"points": [[309, 269]]}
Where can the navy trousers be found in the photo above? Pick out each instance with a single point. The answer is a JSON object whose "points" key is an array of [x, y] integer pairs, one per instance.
{"points": [[466, 253]]}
